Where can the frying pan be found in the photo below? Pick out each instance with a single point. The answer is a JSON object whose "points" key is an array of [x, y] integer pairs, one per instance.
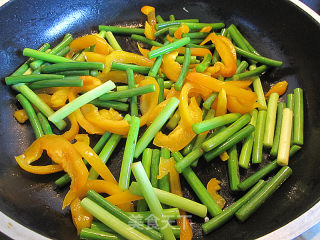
{"points": [[276, 28]]}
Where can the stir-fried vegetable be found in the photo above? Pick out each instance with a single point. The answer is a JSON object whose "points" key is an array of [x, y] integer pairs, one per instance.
{"points": [[190, 91]]}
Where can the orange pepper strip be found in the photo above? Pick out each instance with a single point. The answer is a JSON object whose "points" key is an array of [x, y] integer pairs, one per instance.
{"points": [[164, 167], [74, 129], [169, 38], [224, 156], [173, 93], [83, 122], [95, 161], [175, 187], [26, 165], [181, 136], [143, 51], [62, 152], [206, 29], [118, 77], [170, 67], [150, 12], [126, 57], [184, 110], [122, 198], [216, 86], [148, 31], [227, 53], [101, 45], [212, 187], [89, 83], [156, 111], [195, 51], [235, 106], [148, 101], [181, 30], [94, 57], [21, 116], [280, 88], [82, 138], [100, 186], [81, 218], [222, 103], [242, 84], [92, 115], [59, 97]]}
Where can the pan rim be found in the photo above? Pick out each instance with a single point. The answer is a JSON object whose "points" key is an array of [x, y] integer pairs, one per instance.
{"points": [[301, 224]]}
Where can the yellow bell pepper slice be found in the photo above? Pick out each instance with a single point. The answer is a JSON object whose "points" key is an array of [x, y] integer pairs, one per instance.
{"points": [[280, 88], [182, 135], [21, 116], [216, 86], [222, 103], [181, 30], [151, 23], [81, 218], [227, 52], [101, 45], [126, 57], [62, 152], [94, 57], [213, 186]]}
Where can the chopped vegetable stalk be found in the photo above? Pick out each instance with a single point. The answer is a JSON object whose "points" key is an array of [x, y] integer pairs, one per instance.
{"points": [[285, 137], [152, 200]]}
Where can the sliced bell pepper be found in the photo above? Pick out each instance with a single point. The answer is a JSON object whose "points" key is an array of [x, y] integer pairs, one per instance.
{"points": [[216, 86], [74, 129], [143, 51], [92, 115], [94, 57], [224, 156], [82, 138], [148, 101], [126, 57], [169, 38], [242, 84], [222, 103], [235, 106], [148, 31], [123, 198], [62, 152], [206, 29], [170, 67], [227, 52], [195, 51], [182, 135], [150, 12], [181, 30], [280, 88], [156, 111], [59, 97], [187, 116], [100, 186], [101, 45], [118, 77], [95, 161], [175, 187], [82, 121], [213, 186], [173, 93], [81, 218], [21, 116]]}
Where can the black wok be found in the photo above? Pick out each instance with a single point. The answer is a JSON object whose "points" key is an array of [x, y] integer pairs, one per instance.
{"points": [[276, 28]]}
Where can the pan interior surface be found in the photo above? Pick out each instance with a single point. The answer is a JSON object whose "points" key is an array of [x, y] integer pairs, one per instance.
{"points": [[293, 37]]}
